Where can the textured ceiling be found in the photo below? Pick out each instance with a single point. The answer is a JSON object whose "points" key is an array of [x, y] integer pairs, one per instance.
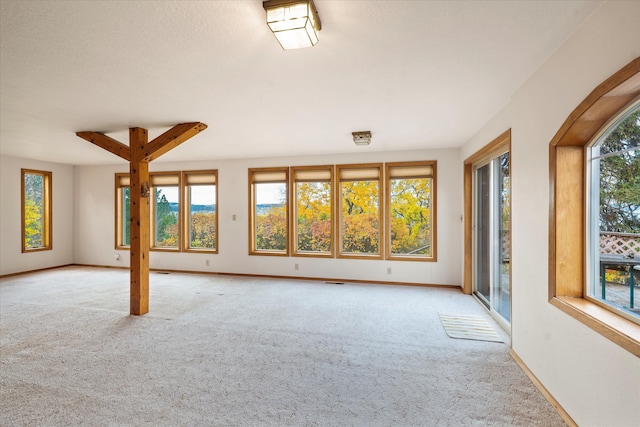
{"points": [[418, 74]]}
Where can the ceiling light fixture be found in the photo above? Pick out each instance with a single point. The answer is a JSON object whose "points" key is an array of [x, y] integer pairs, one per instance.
{"points": [[293, 22], [362, 138]]}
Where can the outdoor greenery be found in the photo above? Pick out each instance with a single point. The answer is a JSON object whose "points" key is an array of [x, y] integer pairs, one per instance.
{"points": [[33, 210], [314, 216], [360, 224], [126, 222], [202, 223], [166, 222], [203, 230], [411, 216], [271, 228], [620, 177], [619, 208], [411, 209]]}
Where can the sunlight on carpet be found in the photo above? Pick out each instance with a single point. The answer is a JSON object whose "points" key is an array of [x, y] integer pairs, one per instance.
{"points": [[469, 328]]}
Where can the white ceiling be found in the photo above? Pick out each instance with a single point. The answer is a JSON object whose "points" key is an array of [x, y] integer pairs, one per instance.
{"points": [[417, 74]]}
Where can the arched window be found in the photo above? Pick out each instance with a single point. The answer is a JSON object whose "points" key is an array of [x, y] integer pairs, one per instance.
{"points": [[576, 193], [613, 214]]}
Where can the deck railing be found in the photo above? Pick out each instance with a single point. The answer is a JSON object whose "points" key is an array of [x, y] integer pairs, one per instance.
{"points": [[625, 244], [617, 254]]}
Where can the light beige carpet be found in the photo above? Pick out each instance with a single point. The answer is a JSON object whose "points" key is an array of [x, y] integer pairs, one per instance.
{"points": [[231, 351]]}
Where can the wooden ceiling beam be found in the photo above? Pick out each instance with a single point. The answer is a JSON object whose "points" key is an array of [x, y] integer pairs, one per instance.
{"points": [[105, 142], [171, 139], [139, 153]]}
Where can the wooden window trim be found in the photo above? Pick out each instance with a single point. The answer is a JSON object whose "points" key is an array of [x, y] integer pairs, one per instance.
{"points": [[500, 144], [567, 201], [186, 202], [47, 188], [338, 210], [119, 211], [434, 216], [152, 211], [252, 212], [294, 207]]}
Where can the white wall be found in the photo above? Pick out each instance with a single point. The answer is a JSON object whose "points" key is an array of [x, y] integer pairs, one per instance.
{"points": [[12, 260], [595, 381], [94, 238]]}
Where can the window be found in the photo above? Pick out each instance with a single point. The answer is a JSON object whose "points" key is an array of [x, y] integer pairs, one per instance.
{"points": [[410, 207], [201, 225], [613, 215], [269, 221], [359, 210], [199, 229], [313, 208], [36, 210], [357, 214], [123, 227], [570, 268], [165, 210]]}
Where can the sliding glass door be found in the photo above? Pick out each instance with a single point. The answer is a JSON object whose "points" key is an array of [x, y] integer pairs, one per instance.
{"points": [[492, 235]]}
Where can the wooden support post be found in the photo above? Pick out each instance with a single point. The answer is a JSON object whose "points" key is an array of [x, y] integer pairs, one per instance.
{"points": [[139, 222], [139, 153]]}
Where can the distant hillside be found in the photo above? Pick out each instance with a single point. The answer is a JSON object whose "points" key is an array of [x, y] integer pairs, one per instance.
{"points": [[195, 208], [265, 208], [261, 209]]}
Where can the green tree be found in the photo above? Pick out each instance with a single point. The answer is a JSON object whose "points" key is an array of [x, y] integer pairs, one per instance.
{"points": [[126, 220], [620, 177], [166, 222]]}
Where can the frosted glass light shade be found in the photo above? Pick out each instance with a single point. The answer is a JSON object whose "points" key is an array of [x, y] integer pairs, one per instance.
{"points": [[294, 23]]}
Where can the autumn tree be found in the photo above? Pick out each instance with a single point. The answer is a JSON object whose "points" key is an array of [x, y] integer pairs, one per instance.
{"points": [[203, 230], [33, 210], [32, 224], [271, 229], [410, 206], [313, 216], [360, 227]]}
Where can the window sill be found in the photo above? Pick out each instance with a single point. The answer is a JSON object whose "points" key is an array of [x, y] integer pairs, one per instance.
{"points": [[411, 258], [161, 249], [200, 251], [360, 256], [269, 253], [313, 254], [30, 250], [621, 331]]}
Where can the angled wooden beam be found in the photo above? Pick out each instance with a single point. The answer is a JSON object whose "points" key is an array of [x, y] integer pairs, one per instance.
{"points": [[139, 153], [107, 143], [171, 139]]}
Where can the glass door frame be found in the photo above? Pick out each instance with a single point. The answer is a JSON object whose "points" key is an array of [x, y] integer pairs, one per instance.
{"points": [[477, 204], [484, 156], [494, 236]]}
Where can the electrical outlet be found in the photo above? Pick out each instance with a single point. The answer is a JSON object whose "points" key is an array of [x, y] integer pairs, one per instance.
{"points": [[233, 217], [388, 270], [117, 257], [206, 262], [295, 267]]}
